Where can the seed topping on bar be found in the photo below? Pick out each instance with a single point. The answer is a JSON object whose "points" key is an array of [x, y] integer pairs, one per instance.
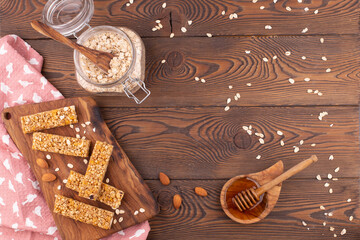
{"points": [[91, 184], [108, 194], [60, 144], [49, 119], [83, 212]]}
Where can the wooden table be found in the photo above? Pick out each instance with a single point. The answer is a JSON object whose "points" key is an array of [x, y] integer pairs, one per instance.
{"points": [[183, 130]]}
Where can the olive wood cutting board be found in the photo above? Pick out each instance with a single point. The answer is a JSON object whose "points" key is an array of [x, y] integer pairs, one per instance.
{"points": [[121, 173]]}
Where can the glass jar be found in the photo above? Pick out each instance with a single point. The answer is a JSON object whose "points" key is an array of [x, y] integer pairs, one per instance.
{"points": [[127, 73]]}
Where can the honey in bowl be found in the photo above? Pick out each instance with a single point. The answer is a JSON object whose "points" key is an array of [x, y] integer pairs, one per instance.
{"points": [[237, 186]]}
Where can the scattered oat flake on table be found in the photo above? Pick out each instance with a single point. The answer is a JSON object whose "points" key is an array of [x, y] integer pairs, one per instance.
{"points": [[127, 4], [238, 95], [136, 212], [331, 229], [324, 224], [318, 177], [309, 91], [316, 11], [349, 200], [313, 144], [305, 30], [83, 125], [326, 184], [122, 211], [262, 7], [164, 5], [85, 161], [306, 9], [254, 1], [48, 156], [324, 58], [107, 180], [287, 53], [247, 51], [292, 81], [249, 84], [268, 27], [230, 87], [223, 12], [282, 143], [303, 57], [322, 40], [209, 34], [331, 157], [163, 61], [142, 210], [183, 29], [335, 179], [275, 1], [301, 142], [94, 129], [228, 100], [307, 79], [172, 35], [329, 176], [249, 132], [77, 129], [65, 181], [57, 169], [330, 214], [351, 218], [322, 114], [261, 140], [258, 156], [296, 149], [117, 211], [70, 165], [121, 219], [288, 8], [189, 22], [226, 108], [337, 169], [330, 191], [275, 57], [115, 221], [304, 223], [59, 187], [265, 59], [322, 207], [280, 133], [202, 80]]}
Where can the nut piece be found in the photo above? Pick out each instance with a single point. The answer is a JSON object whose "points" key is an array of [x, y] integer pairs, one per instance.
{"points": [[164, 179], [48, 177], [201, 192], [42, 163], [177, 201]]}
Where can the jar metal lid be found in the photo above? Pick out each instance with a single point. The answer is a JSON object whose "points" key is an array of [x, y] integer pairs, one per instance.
{"points": [[68, 16]]}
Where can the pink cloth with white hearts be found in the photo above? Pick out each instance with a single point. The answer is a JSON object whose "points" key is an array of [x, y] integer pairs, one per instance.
{"points": [[24, 214]]}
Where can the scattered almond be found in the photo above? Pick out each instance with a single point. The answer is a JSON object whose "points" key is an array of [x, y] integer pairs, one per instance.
{"points": [[42, 163], [48, 177], [177, 201], [164, 179], [201, 192]]}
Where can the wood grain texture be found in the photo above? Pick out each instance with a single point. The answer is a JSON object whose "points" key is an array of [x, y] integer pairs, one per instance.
{"points": [[300, 199], [334, 17], [225, 63], [207, 143], [120, 172]]}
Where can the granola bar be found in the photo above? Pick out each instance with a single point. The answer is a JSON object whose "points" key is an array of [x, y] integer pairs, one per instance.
{"points": [[91, 184], [49, 119], [83, 212], [60, 144], [108, 194]]}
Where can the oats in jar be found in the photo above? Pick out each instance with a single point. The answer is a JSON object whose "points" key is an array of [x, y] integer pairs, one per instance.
{"points": [[108, 42]]}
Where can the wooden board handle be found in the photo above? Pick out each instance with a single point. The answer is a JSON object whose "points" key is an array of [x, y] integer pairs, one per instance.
{"points": [[289, 173]]}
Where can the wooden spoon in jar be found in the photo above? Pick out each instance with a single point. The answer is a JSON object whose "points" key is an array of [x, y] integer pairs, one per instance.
{"points": [[101, 59]]}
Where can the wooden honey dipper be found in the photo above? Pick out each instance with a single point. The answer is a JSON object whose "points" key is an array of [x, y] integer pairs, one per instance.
{"points": [[246, 199]]}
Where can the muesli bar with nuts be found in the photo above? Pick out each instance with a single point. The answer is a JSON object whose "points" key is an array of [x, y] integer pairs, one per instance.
{"points": [[83, 212], [60, 144], [91, 183], [49, 119], [108, 194]]}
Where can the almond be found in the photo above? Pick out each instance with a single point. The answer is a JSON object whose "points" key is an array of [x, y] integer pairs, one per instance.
{"points": [[177, 201], [201, 192], [42, 163], [48, 177], [164, 179]]}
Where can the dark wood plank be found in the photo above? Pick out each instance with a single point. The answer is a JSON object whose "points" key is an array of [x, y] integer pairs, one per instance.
{"points": [[120, 172], [208, 143], [224, 63], [203, 218], [334, 17]]}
